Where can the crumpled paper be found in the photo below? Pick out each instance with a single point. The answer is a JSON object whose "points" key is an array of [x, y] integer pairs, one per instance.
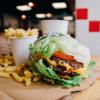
{"points": [[11, 90]]}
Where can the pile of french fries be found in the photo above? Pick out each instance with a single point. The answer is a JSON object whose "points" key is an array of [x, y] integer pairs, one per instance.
{"points": [[6, 66], [9, 33], [20, 73]]}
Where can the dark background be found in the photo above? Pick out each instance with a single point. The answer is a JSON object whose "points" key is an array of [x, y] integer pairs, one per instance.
{"points": [[8, 10]]}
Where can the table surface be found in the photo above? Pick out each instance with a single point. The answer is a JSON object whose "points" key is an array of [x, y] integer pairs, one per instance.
{"points": [[93, 92]]}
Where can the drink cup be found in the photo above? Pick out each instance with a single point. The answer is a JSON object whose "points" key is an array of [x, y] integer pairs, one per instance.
{"points": [[20, 49], [54, 26]]}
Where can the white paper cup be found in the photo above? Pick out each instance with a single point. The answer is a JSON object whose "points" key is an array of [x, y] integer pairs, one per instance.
{"points": [[54, 26], [20, 49]]}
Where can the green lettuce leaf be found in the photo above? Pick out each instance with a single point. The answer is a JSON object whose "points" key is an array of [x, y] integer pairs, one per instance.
{"points": [[50, 74], [46, 49], [45, 46]]}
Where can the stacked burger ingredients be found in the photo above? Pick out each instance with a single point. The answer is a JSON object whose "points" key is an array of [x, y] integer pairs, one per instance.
{"points": [[55, 59], [64, 65], [61, 59]]}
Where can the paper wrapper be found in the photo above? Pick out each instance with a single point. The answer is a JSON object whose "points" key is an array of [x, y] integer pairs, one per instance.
{"points": [[11, 90]]}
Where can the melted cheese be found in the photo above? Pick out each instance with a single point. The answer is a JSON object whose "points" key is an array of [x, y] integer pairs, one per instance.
{"points": [[53, 63], [80, 70], [62, 63], [67, 66]]}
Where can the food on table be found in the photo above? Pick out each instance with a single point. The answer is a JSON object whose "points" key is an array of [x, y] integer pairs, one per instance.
{"points": [[20, 73], [55, 59], [9, 33], [60, 59], [6, 65], [24, 74], [6, 60]]}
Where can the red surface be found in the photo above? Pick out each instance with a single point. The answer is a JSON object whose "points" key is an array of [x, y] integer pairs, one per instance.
{"points": [[81, 13], [94, 26]]}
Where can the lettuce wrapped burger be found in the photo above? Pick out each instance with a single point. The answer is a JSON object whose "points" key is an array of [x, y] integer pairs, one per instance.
{"points": [[60, 58]]}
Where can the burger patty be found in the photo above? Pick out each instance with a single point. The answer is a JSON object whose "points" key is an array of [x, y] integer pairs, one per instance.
{"points": [[59, 71], [62, 70], [72, 63]]}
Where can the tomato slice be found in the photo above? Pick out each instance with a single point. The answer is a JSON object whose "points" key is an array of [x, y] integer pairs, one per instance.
{"points": [[63, 56]]}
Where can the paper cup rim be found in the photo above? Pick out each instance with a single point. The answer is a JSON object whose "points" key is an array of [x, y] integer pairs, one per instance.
{"points": [[23, 37], [54, 20]]}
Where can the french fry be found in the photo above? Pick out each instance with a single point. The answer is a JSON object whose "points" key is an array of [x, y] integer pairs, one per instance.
{"points": [[20, 73], [9, 69], [5, 64], [20, 32], [28, 73], [1, 69], [36, 78], [27, 81], [17, 77], [8, 62], [4, 75]]}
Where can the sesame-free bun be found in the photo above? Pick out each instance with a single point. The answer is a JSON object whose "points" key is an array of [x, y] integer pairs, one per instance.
{"points": [[72, 47]]}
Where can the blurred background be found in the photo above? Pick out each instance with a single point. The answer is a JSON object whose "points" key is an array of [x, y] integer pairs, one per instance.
{"points": [[85, 27], [28, 13]]}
